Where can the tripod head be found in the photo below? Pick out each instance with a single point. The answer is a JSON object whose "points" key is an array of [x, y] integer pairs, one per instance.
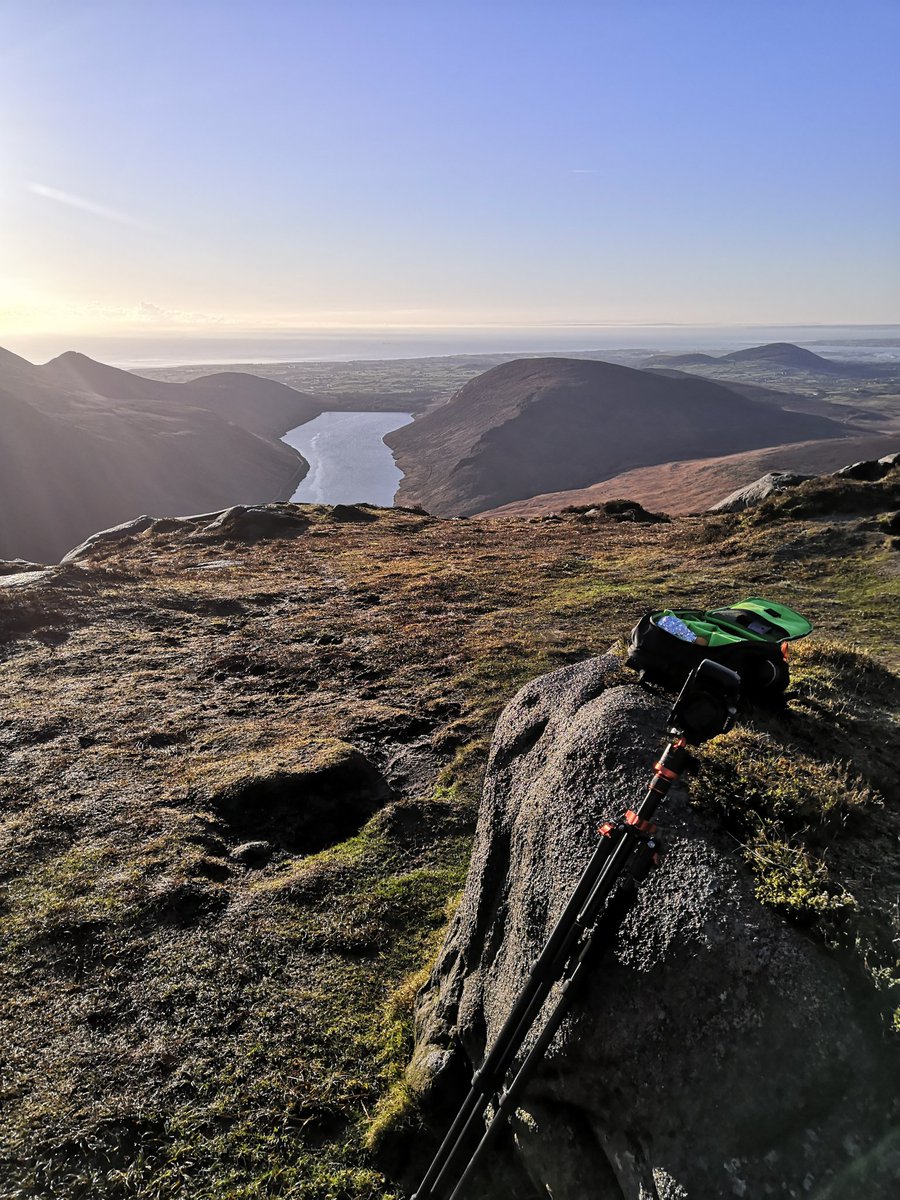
{"points": [[707, 704]]}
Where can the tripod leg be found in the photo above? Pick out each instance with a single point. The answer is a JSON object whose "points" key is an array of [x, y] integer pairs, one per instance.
{"points": [[596, 883], [599, 939], [545, 972]]}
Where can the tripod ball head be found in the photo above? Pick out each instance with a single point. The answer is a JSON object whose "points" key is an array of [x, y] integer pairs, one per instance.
{"points": [[707, 704]]}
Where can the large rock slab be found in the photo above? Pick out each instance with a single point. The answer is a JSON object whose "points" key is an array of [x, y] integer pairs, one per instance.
{"points": [[717, 1051], [759, 490], [115, 533]]}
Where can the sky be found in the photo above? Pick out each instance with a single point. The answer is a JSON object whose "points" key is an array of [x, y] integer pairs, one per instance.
{"points": [[228, 166]]}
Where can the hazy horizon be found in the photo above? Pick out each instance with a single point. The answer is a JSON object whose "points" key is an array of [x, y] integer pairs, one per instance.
{"points": [[869, 341]]}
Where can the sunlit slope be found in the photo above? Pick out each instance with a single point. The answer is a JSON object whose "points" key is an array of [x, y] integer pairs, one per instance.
{"points": [[693, 485]]}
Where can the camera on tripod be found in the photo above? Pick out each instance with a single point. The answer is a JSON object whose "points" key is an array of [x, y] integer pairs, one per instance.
{"points": [[707, 704]]}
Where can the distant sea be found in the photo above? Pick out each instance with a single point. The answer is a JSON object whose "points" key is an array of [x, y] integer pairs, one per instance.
{"points": [[873, 342]]}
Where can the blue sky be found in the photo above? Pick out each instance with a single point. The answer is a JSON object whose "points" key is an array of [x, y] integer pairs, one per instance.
{"points": [[268, 165]]}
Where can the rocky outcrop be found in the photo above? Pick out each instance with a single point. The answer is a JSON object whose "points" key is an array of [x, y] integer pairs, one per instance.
{"points": [[867, 471], [615, 510], [241, 522], [250, 523], [870, 470], [760, 489], [718, 1051]]}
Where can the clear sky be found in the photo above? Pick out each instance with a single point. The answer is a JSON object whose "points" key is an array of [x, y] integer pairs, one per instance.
{"points": [[237, 165]]}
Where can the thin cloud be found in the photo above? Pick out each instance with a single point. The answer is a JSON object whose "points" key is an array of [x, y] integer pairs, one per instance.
{"points": [[584, 171], [145, 312], [88, 206]]}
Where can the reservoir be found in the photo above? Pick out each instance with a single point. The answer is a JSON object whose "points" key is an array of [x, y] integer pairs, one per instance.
{"points": [[348, 461]]}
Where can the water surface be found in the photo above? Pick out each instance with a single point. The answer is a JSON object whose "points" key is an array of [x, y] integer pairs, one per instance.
{"points": [[348, 461]]}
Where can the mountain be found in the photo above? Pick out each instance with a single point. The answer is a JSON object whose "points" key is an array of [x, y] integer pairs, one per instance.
{"points": [[260, 405], [239, 778], [542, 425], [783, 356], [84, 445], [787, 355]]}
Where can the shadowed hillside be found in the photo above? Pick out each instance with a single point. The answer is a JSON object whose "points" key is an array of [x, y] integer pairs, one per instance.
{"points": [[260, 405], [84, 445], [541, 425]]}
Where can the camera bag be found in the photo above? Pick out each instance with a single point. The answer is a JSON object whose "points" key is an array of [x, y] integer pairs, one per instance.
{"points": [[749, 637]]}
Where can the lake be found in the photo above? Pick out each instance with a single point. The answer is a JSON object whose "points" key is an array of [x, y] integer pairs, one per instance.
{"points": [[348, 461]]}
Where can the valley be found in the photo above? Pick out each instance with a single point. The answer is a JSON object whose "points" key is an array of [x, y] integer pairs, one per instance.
{"points": [[86, 445]]}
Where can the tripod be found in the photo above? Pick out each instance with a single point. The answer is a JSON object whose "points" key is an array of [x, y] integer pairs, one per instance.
{"points": [[627, 851]]}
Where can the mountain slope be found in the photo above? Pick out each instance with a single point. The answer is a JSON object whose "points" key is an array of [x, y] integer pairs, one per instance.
{"points": [[779, 398], [84, 445], [542, 425]]}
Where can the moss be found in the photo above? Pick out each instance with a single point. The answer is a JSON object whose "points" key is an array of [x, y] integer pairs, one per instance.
{"points": [[791, 880], [77, 889], [751, 772], [303, 752], [397, 1109]]}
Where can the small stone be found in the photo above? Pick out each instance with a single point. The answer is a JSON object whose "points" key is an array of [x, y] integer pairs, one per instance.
{"points": [[252, 854]]}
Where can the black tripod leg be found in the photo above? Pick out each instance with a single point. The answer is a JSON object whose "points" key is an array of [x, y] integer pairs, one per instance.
{"points": [[545, 972], [600, 939]]}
